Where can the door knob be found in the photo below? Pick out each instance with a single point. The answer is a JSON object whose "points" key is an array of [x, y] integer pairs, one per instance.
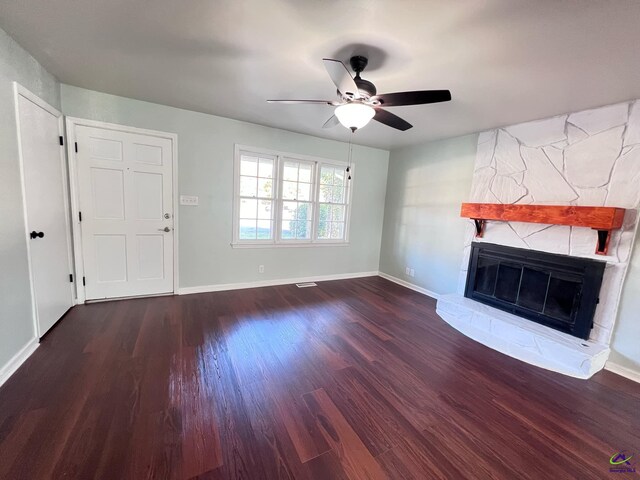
{"points": [[35, 234], [165, 229]]}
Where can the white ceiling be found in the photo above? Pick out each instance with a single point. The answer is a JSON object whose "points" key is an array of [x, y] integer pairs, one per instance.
{"points": [[505, 61]]}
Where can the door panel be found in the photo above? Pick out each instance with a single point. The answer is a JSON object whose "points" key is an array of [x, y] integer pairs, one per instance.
{"points": [[108, 193], [46, 206], [151, 257], [125, 187], [111, 258], [148, 193]]}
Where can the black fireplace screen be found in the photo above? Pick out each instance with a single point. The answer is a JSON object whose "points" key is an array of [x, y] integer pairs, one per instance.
{"points": [[555, 290]]}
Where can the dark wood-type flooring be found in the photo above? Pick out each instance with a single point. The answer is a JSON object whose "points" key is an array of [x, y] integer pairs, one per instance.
{"points": [[353, 379]]}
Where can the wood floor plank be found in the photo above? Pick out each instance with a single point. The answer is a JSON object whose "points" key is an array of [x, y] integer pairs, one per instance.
{"points": [[356, 460], [374, 421], [201, 444], [300, 424], [279, 456]]}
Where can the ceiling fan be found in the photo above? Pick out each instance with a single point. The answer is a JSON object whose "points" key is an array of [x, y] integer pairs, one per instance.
{"points": [[358, 101]]}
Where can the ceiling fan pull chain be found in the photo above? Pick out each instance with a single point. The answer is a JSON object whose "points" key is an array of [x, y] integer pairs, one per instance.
{"points": [[350, 155]]}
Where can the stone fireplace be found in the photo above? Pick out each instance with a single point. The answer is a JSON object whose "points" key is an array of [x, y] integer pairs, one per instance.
{"points": [[589, 158]]}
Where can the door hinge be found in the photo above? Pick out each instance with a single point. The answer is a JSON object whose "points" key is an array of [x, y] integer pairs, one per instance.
{"points": [[61, 140], [71, 277], [79, 216], [84, 281], [76, 146]]}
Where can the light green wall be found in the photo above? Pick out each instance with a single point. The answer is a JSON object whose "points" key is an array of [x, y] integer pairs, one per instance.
{"points": [[625, 346], [422, 225], [205, 168], [422, 230], [16, 321]]}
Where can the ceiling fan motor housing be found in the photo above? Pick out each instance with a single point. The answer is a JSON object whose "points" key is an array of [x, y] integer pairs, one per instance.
{"points": [[365, 87]]}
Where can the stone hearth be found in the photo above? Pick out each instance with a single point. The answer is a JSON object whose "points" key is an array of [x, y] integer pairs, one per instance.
{"points": [[522, 339]]}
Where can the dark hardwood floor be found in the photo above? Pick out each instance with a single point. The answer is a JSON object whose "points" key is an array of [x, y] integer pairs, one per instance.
{"points": [[353, 379]]}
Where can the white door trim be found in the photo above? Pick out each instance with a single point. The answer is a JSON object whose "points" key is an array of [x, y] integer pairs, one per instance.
{"points": [[20, 91], [73, 122]]}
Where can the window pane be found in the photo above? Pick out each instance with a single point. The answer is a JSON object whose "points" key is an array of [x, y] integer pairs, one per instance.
{"points": [[289, 190], [264, 210], [303, 230], [325, 213], [337, 230], [325, 193], [338, 195], [338, 178], [337, 212], [323, 230], [290, 171], [304, 191], [288, 229], [265, 168], [264, 229], [326, 176], [289, 210], [248, 186], [303, 212], [248, 208], [248, 165], [265, 187], [247, 229], [305, 173]]}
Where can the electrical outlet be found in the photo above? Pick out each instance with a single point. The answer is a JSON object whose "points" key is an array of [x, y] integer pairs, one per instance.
{"points": [[407, 270], [412, 272], [260, 268], [190, 200]]}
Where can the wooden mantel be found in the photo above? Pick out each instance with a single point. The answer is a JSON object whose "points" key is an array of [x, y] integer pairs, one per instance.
{"points": [[602, 219]]}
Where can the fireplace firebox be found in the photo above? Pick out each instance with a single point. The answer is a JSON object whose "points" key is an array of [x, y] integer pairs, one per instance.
{"points": [[558, 291]]}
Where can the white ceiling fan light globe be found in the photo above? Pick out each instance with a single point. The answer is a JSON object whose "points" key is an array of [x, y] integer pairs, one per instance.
{"points": [[354, 115]]}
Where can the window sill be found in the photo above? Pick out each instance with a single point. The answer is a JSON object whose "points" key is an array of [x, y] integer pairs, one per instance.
{"points": [[289, 245]]}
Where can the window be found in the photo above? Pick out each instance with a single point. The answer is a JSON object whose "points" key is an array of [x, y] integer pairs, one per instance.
{"points": [[332, 202], [296, 200], [284, 199], [256, 198]]}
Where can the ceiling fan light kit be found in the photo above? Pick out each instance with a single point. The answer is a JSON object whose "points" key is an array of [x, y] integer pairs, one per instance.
{"points": [[354, 115], [358, 101]]}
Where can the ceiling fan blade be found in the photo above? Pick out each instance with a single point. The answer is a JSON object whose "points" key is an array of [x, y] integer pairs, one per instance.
{"points": [[296, 102], [332, 122], [391, 120], [419, 97], [341, 77]]}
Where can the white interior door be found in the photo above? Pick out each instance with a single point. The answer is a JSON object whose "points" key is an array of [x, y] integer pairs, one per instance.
{"points": [[125, 192], [46, 208]]}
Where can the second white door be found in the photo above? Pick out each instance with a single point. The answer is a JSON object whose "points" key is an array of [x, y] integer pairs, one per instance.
{"points": [[125, 193], [46, 208]]}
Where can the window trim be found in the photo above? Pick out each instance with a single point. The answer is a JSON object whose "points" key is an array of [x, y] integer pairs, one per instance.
{"points": [[276, 214]]}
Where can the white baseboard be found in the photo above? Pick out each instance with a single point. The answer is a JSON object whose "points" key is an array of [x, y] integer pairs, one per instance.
{"points": [[271, 283], [410, 285], [18, 359], [623, 371]]}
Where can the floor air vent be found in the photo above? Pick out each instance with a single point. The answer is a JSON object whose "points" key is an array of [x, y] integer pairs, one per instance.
{"points": [[306, 284]]}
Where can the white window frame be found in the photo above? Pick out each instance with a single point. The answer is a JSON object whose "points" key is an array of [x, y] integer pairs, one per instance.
{"points": [[237, 197], [347, 204], [277, 241]]}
